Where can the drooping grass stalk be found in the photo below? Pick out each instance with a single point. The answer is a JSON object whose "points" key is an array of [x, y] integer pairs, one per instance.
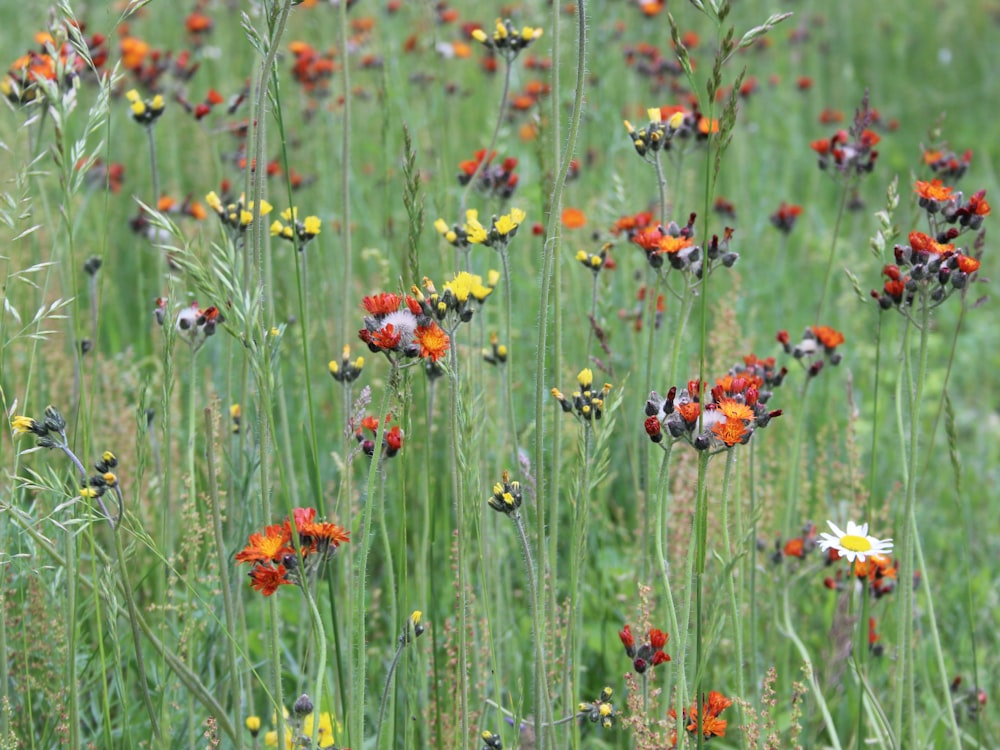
{"points": [[224, 580], [789, 631], [502, 111], [332, 599], [385, 691]]}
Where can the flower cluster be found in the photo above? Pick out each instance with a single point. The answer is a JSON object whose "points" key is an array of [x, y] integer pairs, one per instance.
{"points": [[52, 61], [272, 553], [666, 124], [497, 353], [507, 496], [595, 262], [947, 165], [785, 217], [676, 245], [457, 303], [648, 654], [601, 710], [299, 727], [145, 111], [924, 266], [817, 346], [851, 152], [104, 479], [237, 215], [299, 232], [397, 325], [879, 571], [392, 437], [52, 425], [493, 180], [735, 410], [347, 370], [936, 197], [507, 40], [193, 324], [587, 403]]}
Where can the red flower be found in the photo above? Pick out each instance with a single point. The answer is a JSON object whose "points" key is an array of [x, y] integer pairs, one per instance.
{"points": [[266, 579]]}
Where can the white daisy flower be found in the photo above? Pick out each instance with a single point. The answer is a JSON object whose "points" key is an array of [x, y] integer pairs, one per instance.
{"points": [[855, 543]]}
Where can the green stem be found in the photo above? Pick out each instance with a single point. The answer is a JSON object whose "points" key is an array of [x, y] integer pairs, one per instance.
{"points": [[508, 365], [905, 699], [536, 618], [734, 605], [662, 513], [356, 714], [833, 253], [817, 691], [224, 580], [385, 691], [493, 139]]}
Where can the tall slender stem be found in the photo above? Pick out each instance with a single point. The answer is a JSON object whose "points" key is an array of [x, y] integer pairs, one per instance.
{"points": [[833, 253], [493, 139]]}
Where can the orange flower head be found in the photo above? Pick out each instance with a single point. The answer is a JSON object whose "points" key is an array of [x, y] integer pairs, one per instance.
{"points": [[968, 264], [934, 190], [828, 337], [730, 432], [689, 412], [671, 245], [433, 341], [734, 409], [269, 546], [266, 579], [573, 218]]}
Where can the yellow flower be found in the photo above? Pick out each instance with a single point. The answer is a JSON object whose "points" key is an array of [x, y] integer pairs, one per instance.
{"points": [[133, 96], [312, 225], [442, 227], [492, 277], [157, 102], [479, 35], [290, 213], [585, 378], [461, 286], [213, 201], [253, 725], [501, 31], [22, 424], [509, 222], [474, 231], [276, 228]]}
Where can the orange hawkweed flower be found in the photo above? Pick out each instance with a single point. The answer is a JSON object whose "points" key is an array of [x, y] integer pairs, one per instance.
{"points": [[573, 218], [268, 546], [266, 579], [828, 337], [730, 432], [934, 190], [433, 341]]}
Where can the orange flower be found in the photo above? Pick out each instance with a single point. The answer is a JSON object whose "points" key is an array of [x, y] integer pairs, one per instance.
{"points": [[730, 432], [382, 303], [670, 244], [734, 409], [433, 341], [828, 337], [266, 579], [689, 411], [573, 218], [271, 545], [967, 264], [933, 190], [704, 125]]}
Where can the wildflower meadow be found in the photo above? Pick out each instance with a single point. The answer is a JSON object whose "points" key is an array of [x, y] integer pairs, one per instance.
{"points": [[463, 375]]}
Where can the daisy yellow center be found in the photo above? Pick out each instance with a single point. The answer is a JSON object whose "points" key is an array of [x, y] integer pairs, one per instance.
{"points": [[855, 543]]}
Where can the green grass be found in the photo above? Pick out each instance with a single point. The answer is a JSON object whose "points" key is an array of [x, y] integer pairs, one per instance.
{"points": [[84, 666]]}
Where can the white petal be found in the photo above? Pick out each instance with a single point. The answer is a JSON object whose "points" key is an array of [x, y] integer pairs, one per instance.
{"points": [[838, 532]]}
